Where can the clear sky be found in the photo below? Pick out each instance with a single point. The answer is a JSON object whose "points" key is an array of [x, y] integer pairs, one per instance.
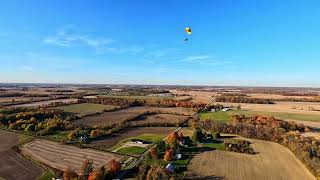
{"points": [[233, 42]]}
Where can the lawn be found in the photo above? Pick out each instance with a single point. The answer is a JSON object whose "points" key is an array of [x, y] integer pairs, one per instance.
{"points": [[86, 109], [217, 145], [220, 116], [46, 175], [133, 150], [150, 137], [225, 116], [153, 138], [59, 136]]}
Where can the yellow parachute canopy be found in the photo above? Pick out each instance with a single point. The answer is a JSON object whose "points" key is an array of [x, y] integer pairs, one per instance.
{"points": [[188, 30]]}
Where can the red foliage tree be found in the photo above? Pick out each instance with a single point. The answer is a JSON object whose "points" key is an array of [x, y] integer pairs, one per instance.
{"points": [[96, 175], [114, 166], [154, 152]]}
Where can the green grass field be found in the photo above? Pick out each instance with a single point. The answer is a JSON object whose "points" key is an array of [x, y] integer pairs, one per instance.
{"points": [[153, 138], [59, 136], [133, 150], [225, 116], [218, 146], [46, 175], [150, 137], [85, 109]]}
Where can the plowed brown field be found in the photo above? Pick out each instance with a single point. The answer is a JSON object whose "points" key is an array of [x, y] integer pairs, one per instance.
{"points": [[63, 156], [12, 164]]}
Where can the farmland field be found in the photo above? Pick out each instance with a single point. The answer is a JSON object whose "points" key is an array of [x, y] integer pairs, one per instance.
{"points": [[120, 115], [109, 142], [9, 99], [280, 106], [85, 109], [62, 156], [271, 162], [224, 116], [13, 165], [197, 96], [40, 103], [139, 97], [161, 118]]}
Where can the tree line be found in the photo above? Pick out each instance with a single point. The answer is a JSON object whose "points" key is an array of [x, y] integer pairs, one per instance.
{"points": [[242, 99]]}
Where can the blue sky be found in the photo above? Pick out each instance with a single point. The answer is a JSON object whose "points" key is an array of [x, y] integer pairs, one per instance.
{"points": [[244, 42]]}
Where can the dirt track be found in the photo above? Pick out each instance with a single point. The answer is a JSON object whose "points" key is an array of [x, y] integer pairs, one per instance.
{"points": [[273, 161], [12, 165], [62, 156]]}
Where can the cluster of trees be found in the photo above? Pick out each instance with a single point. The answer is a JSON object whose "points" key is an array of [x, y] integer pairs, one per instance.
{"points": [[123, 102], [271, 129], [40, 121], [164, 151], [154, 172], [88, 173], [242, 99], [240, 146], [60, 90], [140, 91], [233, 94], [300, 94], [86, 134], [11, 94], [315, 99]]}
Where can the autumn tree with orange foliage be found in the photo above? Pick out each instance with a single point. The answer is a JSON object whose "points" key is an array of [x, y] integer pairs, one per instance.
{"points": [[156, 173], [68, 174], [154, 152], [114, 166], [172, 141], [87, 168], [180, 136], [96, 175], [168, 154]]}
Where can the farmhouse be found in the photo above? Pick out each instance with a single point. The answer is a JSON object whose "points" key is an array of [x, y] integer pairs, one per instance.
{"points": [[214, 110], [138, 141], [226, 109]]}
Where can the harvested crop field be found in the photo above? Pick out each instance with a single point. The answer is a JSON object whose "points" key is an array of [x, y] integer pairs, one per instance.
{"points": [[132, 132], [161, 118], [85, 109], [276, 96], [12, 164], [63, 156], [280, 106], [197, 96], [273, 161], [120, 115]]}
